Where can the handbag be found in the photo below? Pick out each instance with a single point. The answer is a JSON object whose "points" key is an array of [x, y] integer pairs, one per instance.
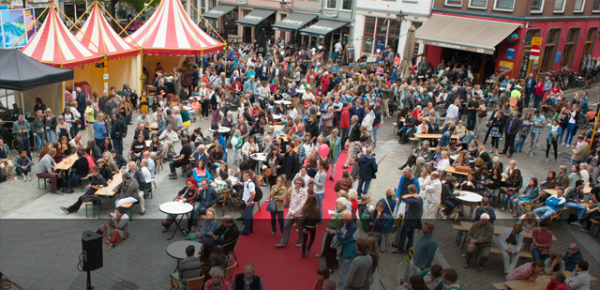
{"points": [[462, 168], [272, 207], [241, 204], [267, 172]]}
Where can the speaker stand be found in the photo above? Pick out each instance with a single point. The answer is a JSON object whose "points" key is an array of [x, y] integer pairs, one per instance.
{"points": [[89, 281]]}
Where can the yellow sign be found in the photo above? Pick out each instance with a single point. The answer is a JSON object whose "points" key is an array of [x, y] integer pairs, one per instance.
{"points": [[506, 64], [536, 41]]}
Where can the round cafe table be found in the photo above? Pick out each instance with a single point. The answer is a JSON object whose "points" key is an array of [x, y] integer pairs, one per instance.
{"points": [[222, 130], [276, 117], [176, 250], [472, 198], [287, 103], [259, 158], [176, 208]]}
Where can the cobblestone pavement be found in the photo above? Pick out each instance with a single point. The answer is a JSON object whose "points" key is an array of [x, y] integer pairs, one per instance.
{"points": [[39, 244]]}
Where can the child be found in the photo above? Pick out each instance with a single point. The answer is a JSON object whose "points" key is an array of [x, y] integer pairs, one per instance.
{"points": [[557, 282], [433, 277], [322, 275], [449, 278]]}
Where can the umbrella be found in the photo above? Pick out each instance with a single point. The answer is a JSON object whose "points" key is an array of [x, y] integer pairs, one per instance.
{"points": [[407, 55]]}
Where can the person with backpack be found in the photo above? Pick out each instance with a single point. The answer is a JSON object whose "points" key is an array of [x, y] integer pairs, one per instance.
{"points": [[248, 197]]}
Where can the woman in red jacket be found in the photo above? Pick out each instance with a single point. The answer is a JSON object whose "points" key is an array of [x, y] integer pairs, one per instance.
{"points": [[345, 124], [557, 282]]}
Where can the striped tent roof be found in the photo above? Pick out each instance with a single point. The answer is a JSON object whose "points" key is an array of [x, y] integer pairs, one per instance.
{"points": [[171, 31], [100, 35], [53, 44]]}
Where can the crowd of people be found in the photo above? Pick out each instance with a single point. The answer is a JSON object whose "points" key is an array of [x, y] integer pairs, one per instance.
{"points": [[331, 111]]}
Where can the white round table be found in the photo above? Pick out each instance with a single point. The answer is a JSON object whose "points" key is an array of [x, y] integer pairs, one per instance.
{"points": [[221, 129], [276, 117], [287, 103], [176, 208], [259, 158], [471, 198]]}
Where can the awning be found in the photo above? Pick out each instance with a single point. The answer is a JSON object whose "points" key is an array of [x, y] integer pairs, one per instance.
{"points": [[294, 21], [218, 11], [474, 35], [323, 27], [255, 17]]}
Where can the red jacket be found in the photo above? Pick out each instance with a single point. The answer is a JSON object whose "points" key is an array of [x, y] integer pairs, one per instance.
{"points": [[553, 286], [345, 119], [325, 83]]}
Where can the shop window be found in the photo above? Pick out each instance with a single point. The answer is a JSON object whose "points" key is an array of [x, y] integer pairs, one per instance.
{"points": [[589, 42], [478, 4], [579, 6], [527, 64], [369, 34], [331, 4], [559, 6], [504, 5], [347, 4], [537, 6], [567, 56], [380, 33], [549, 49], [454, 3], [531, 34]]}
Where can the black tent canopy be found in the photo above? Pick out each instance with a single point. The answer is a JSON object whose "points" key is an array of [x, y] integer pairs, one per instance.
{"points": [[21, 72]]}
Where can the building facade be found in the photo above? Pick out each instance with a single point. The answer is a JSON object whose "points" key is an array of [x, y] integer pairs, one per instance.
{"points": [[376, 26], [563, 31]]}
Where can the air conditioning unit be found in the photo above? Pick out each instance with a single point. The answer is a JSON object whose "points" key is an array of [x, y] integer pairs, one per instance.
{"points": [[331, 14]]}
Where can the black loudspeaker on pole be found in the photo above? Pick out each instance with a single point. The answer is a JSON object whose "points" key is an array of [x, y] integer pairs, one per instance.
{"points": [[262, 42], [91, 254]]}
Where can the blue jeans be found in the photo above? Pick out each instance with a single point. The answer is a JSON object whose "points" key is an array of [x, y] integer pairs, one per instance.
{"points": [[507, 199], [24, 145], [320, 197], [571, 130], [363, 189], [39, 142], [74, 179], [580, 208], [50, 136], [134, 158], [575, 162], [537, 99], [187, 238], [19, 170], [375, 129], [527, 97], [74, 130], [248, 219], [471, 122], [543, 212], [199, 209], [537, 255], [277, 215], [520, 143], [118, 146], [407, 231], [344, 269]]}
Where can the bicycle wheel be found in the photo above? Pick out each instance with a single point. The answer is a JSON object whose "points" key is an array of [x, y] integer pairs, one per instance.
{"points": [[564, 82], [15, 145], [582, 121]]}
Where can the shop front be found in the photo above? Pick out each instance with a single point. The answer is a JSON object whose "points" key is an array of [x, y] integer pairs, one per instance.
{"points": [[223, 18], [256, 21], [292, 23], [326, 33], [478, 43]]}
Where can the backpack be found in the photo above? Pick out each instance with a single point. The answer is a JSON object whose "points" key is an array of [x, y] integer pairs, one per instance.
{"points": [[2, 177], [258, 195]]}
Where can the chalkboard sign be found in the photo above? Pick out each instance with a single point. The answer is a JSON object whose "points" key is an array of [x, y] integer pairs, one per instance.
{"points": [[349, 55]]}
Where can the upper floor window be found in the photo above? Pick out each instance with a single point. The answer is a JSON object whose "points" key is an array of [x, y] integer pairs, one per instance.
{"points": [[506, 5], [455, 3], [579, 6], [478, 4], [537, 6], [596, 8], [559, 6], [331, 4], [347, 4]]}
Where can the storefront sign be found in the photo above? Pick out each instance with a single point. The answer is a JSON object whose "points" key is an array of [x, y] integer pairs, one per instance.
{"points": [[379, 44], [558, 55], [510, 53], [536, 41], [506, 64]]}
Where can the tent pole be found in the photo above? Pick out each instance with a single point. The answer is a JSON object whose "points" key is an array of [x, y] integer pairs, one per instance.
{"points": [[594, 132], [105, 72], [22, 104]]}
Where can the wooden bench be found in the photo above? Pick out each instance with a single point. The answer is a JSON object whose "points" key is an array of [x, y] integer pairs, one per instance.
{"points": [[595, 223], [462, 232], [522, 254], [86, 179], [414, 141], [499, 286], [86, 203], [130, 207]]}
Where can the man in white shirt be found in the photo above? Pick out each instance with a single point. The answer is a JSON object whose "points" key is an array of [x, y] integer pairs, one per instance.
{"points": [[143, 118], [151, 164], [76, 143], [581, 278], [248, 198], [293, 114], [168, 136], [368, 120], [433, 196], [452, 112]]}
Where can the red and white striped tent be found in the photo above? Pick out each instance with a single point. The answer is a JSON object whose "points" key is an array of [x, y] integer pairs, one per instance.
{"points": [[100, 35], [53, 44], [170, 31]]}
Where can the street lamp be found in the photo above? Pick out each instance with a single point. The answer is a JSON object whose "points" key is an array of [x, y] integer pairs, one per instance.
{"points": [[283, 4], [400, 16]]}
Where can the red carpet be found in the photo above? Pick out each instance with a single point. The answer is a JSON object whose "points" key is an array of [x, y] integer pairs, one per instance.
{"points": [[284, 268]]}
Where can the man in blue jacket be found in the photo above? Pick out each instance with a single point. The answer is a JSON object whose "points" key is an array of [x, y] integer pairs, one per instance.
{"points": [[572, 256], [414, 208], [406, 179], [207, 197], [81, 104], [367, 169], [347, 239]]}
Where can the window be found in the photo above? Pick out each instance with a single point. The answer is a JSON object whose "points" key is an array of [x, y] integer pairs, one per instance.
{"points": [[380, 33], [506, 5], [595, 9], [537, 6], [347, 4], [455, 3], [331, 4], [567, 56], [369, 34], [579, 6], [527, 64], [549, 49], [530, 34], [559, 6], [478, 4], [589, 42]]}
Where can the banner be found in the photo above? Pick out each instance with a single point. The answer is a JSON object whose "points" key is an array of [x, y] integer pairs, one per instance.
{"points": [[13, 26], [29, 16]]}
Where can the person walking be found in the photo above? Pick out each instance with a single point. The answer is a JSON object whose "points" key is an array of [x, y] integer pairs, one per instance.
{"points": [[277, 196], [424, 251], [353, 137], [554, 132], [295, 213], [537, 126], [414, 208], [367, 169], [310, 215], [513, 126], [319, 186], [335, 147]]}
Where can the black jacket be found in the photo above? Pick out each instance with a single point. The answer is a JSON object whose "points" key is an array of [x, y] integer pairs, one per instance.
{"points": [[278, 161], [254, 285], [293, 167], [117, 130], [355, 133], [228, 236], [312, 128], [515, 127]]}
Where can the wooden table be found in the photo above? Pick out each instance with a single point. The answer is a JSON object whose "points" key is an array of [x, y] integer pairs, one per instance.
{"points": [[67, 162], [152, 126], [278, 127], [538, 284], [551, 191], [108, 191], [451, 170], [498, 230], [433, 136]]}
